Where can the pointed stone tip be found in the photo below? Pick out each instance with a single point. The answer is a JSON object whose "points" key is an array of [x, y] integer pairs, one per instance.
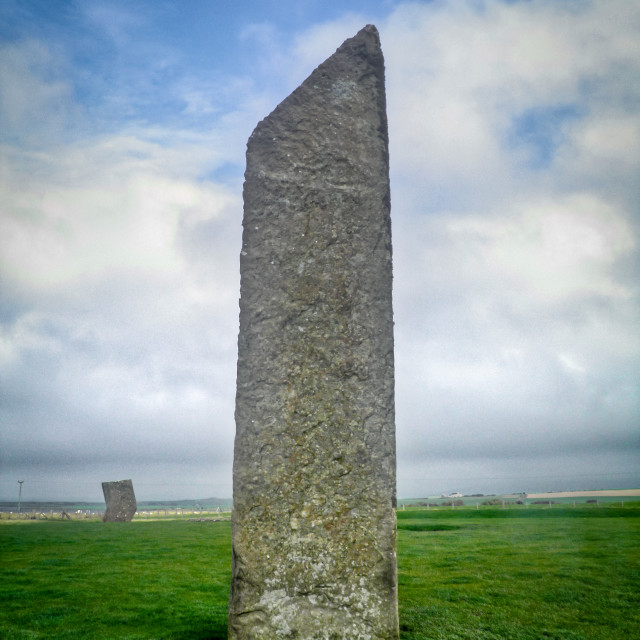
{"points": [[365, 42], [367, 32], [357, 62]]}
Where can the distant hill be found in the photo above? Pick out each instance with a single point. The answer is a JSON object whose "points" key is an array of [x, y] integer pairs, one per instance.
{"points": [[42, 506], [203, 502]]}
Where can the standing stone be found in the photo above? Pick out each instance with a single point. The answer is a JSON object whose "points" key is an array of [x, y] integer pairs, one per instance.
{"points": [[120, 501], [314, 470]]}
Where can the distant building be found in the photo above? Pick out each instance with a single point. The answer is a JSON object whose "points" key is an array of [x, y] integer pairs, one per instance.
{"points": [[452, 495]]}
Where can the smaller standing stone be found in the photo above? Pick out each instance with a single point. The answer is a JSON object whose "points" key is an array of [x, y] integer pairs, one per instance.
{"points": [[120, 500]]}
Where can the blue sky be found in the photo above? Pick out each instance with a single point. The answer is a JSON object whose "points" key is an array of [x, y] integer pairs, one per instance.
{"points": [[515, 144]]}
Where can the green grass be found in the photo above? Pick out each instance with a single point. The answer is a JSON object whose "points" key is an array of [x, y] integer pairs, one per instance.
{"points": [[513, 574], [520, 574], [75, 580]]}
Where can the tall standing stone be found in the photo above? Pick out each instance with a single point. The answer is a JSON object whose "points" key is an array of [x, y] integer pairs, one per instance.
{"points": [[314, 469], [120, 500]]}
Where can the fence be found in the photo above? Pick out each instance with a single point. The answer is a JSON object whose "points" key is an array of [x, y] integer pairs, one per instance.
{"points": [[88, 514]]}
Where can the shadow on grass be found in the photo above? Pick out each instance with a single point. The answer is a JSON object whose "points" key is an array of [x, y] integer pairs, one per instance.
{"points": [[427, 527], [204, 634]]}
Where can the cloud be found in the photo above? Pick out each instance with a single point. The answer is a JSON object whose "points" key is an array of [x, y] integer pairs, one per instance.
{"points": [[555, 249], [112, 205], [464, 78], [515, 292], [114, 21], [515, 147], [36, 98], [118, 329]]}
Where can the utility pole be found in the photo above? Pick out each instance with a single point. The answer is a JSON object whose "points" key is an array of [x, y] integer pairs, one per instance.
{"points": [[20, 494]]}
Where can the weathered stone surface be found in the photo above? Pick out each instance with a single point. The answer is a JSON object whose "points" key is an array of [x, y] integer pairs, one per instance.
{"points": [[120, 500], [314, 469]]}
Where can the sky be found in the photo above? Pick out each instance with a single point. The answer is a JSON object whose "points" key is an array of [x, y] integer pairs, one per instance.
{"points": [[515, 180]]}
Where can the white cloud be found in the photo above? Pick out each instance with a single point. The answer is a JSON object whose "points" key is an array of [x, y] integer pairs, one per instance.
{"points": [[36, 99], [514, 168], [113, 205], [514, 147], [553, 249], [459, 75], [114, 21], [119, 263], [603, 143]]}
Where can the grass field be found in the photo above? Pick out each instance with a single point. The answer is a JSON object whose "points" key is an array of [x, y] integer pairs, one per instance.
{"points": [[520, 574], [514, 574]]}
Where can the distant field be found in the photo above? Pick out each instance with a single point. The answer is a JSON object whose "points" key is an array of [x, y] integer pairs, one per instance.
{"points": [[617, 493], [560, 497], [565, 573]]}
